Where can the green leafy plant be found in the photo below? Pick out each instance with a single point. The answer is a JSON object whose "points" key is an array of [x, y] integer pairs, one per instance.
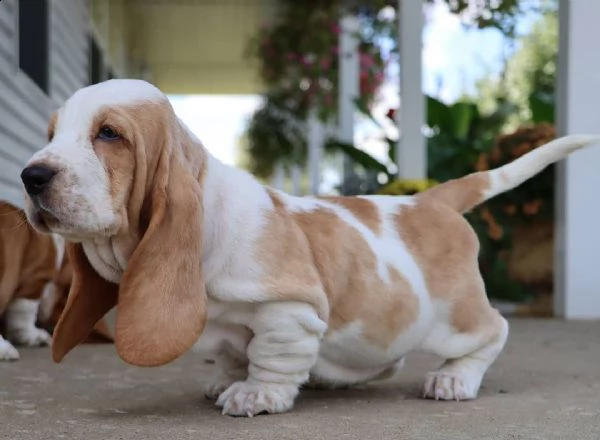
{"points": [[297, 59]]}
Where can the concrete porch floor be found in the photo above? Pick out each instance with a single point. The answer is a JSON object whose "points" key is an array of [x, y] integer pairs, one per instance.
{"points": [[545, 385]]}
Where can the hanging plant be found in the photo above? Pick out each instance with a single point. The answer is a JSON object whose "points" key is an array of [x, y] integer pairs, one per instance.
{"points": [[298, 57], [297, 60]]}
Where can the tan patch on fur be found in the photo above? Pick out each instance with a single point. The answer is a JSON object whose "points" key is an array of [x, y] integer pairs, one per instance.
{"points": [[27, 257], [446, 249], [286, 255], [461, 194], [52, 125], [322, 249], [363, 209]]}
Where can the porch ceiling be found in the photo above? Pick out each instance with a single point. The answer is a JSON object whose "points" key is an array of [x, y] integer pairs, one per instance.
{"points": [[198, 46]]}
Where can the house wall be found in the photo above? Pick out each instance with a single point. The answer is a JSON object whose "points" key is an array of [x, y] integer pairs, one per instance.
{"points": [[24, 106], [111, 27]]}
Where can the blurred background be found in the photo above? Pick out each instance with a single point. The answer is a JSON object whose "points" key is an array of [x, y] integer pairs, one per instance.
{"points": [[327, 97]]}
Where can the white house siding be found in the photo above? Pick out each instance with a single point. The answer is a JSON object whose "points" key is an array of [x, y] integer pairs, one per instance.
{"points": [[24, 107], [69, 47]]}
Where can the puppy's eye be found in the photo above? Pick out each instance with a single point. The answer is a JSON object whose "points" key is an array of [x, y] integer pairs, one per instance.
{"points": [[108, 134]]}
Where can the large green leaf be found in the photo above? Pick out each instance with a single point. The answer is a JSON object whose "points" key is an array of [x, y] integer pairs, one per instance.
{"points": [[362, 107], [455, 120], [438, 114], [542, 108], [461, 115], [357, 155]]}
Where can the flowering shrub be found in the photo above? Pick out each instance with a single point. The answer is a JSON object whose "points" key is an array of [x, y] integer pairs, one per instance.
{"points": [[298, 57], [534, 199]]}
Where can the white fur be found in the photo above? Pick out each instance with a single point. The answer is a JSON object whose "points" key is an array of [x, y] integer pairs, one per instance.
{"points": [[20, 316], [518, 171], [264, 351], [7, 351]]}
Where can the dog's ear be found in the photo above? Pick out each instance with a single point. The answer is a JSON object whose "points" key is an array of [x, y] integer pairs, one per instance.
{"points": [[162, 299], [90, 298]]}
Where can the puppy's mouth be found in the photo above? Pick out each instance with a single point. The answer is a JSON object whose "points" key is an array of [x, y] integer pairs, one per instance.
{"points": [[41, 218], [46, 221]]}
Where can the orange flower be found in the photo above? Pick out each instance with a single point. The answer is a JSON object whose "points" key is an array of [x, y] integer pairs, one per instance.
{"points": [[532, 208], [521, 150], [494, 229], [495, 155]]}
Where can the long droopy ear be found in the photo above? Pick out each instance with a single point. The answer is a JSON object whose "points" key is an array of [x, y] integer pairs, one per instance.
{"points": [[90, 298], [161, 299]]}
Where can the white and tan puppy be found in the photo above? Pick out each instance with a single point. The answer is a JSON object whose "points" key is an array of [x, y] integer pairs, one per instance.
{"points": [[279, 289], [28, 265]]}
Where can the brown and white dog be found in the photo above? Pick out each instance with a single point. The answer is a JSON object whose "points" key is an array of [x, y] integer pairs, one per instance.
{"points": [[28, 265], [277, 289]]}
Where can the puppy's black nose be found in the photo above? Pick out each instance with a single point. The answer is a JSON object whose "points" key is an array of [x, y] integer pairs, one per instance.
{"points": [[36, 179]]}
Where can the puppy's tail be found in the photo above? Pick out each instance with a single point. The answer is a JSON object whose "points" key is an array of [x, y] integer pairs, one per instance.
{"points": [[465, 193]]}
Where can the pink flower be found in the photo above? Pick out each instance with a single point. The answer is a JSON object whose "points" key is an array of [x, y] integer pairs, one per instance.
{"points": [[366, 60]]}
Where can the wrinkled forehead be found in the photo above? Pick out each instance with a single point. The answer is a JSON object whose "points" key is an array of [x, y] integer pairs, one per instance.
{"points": [[83, 106]]}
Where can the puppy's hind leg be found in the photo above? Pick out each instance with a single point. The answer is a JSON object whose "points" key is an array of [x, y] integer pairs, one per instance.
{"points": [[471, 341]]}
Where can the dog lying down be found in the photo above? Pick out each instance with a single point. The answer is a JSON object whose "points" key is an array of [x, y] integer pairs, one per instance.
{"points": [[280, 291]]}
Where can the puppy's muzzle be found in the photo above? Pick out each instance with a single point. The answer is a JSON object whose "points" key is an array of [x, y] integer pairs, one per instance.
{"points": [[36, 179]]}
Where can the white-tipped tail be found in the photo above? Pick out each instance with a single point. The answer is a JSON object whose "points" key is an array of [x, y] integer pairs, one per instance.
{"points": [[518, 171], [465, 193]]}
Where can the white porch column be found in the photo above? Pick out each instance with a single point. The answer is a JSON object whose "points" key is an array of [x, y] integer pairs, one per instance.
{"points": [[577, 274], [348, 89], [296, 175], [315, 147], [411, 154], [278, 178]]}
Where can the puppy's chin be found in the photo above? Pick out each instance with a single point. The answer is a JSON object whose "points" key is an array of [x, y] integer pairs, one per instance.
{"points": [[37, 220], [46, 222]]}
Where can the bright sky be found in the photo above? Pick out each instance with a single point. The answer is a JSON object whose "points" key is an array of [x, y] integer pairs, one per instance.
{"points": [[453, 59]]}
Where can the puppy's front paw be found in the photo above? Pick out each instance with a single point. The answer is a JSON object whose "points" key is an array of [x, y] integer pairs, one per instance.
{"points": [[30, 337], [448, 386], [220, 382], [7, 351], [252, 398]]}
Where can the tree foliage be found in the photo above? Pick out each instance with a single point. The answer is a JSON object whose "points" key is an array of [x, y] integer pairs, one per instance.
{"points": [[529, 76], [297, 58]]}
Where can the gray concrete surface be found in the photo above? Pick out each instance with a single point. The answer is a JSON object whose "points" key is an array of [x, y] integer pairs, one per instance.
{"points": [[546, 385]]}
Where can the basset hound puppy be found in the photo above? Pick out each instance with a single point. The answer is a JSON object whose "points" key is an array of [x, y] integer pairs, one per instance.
{"points": [[28, 263], [280, 291]]}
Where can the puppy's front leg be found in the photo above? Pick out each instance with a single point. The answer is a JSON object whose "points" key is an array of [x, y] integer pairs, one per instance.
{"points": [[281, 353], [21, 316]]}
